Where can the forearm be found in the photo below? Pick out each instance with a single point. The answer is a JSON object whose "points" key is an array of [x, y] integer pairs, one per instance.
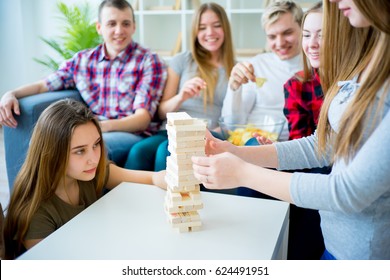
{"points": [[139, 121], [119, 175], [264, 155], [267, 181], [37, 87], [171, 105]]}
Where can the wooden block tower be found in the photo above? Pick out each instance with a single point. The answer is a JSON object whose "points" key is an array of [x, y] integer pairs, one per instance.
{"points": [[183, 198]]}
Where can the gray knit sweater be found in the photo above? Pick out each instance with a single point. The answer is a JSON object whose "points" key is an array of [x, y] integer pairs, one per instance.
{"points": [[354, 200]]}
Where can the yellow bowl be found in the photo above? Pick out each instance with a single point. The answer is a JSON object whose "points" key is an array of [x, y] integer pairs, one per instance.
{"points": [[237, 130]]}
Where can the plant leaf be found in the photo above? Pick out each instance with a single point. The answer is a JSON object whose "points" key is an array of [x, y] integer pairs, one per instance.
{"points": [[78, 33]]}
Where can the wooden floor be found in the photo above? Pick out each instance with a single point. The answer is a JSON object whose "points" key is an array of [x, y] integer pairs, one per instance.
{"points": [[4, 190]]}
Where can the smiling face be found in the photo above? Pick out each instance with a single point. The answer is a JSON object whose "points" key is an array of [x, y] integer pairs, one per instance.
{"points": [[311, 38], [210, 35], [117, 28], [283, 36], [353, 14], [84, 154]]}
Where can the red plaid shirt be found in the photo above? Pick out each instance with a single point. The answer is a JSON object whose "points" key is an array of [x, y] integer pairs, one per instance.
{"points": [[114, 88], [302, 105]]}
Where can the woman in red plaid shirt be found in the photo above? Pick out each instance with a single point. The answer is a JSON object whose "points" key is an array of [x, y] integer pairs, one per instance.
{"points": [[303, 92]]}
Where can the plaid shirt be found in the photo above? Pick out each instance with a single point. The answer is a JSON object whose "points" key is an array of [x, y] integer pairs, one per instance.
{"points": [[114, 88], [302, 105]]}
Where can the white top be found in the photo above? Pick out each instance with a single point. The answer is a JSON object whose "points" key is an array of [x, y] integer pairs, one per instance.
{"points": [[268, 98], [130, 223]]}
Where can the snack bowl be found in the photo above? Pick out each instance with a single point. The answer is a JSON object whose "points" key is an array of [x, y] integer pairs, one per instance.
{"points": [[237, 130]]}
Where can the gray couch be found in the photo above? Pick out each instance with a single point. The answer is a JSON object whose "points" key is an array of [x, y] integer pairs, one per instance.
{"points": [[16, 141]]}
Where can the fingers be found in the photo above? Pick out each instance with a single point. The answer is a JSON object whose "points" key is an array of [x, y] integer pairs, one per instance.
{"points": [[262, 139], [241, 73], [194, 86], [202, 170], [7, 118]]}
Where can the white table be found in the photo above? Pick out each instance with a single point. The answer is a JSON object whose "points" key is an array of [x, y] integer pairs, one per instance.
{"points": [[129, 222]]}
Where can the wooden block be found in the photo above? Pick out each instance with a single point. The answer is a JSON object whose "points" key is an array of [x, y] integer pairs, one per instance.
{"points": [[188, 224], [185, 156], [188, 227], [184, 134], [174, 150], [175, 196], [175, 188], [181, 208], [188, 144], [196, 125], [186, 170], [179, 118], [195, 228], [185, 217], [183, 167], [195, 195], [181, 180], [185, 200]]}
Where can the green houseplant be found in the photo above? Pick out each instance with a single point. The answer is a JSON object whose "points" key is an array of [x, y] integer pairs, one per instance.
{"points": [[79, 33]]}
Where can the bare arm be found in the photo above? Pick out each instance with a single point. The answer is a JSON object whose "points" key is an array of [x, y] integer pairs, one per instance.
{"points": [[264, 155], [119, 175], [9, 103], [224, 171], [139, 121], [171, 101]]}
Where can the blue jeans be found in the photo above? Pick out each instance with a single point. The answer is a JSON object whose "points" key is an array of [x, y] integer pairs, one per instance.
{"points": [[327, 256], [143, 154], [118, 145], [161, 156]]}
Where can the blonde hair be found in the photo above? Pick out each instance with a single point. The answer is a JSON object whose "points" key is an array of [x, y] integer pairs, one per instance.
{"points": [[45, 167], [348, 52], [207, 71], [273, 12]]}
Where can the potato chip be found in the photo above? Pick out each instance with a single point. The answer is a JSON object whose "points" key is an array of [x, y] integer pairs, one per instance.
{"points": [[240, 136], [260, 82]]}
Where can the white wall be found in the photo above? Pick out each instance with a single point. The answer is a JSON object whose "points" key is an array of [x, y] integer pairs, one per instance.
{"points": [[21, 24]]}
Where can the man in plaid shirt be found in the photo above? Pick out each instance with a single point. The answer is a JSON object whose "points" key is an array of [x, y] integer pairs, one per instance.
{"points": [[119, 80]]}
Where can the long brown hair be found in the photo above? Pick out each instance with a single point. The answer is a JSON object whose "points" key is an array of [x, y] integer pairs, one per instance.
{"points": [[348, 52], [45, 167], [207, 71]]}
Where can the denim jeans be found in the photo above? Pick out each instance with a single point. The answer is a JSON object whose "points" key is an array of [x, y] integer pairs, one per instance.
{"points": [[118, 145], [142, 155]]}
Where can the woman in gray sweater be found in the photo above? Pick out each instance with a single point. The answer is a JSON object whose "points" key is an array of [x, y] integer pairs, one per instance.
{"points": [[353, 135]]}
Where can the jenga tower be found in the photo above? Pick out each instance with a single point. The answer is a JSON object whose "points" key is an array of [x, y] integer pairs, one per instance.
{"points": [[183, 199]]}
